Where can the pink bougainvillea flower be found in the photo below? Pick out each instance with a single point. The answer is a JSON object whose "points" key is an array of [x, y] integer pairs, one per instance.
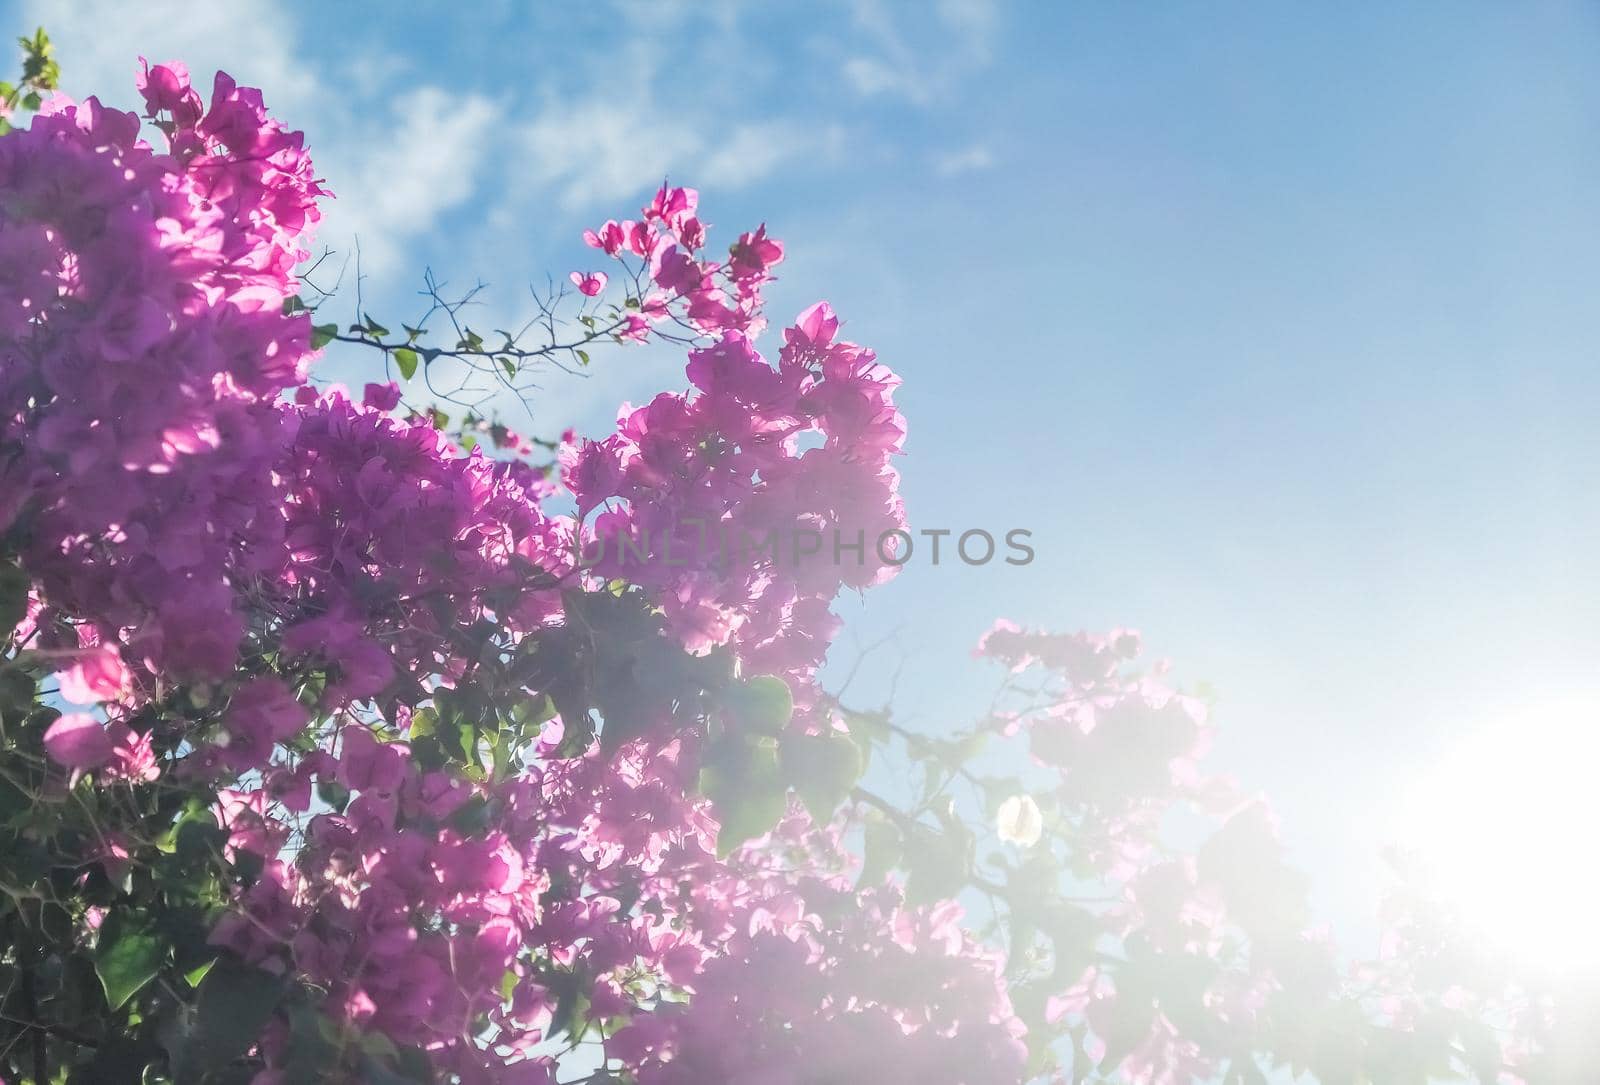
{"points": [[815, 327], [382, 397], [610, 238], [754, 253], [97, 675], [589, 283], [263, 712], [673, 205], [78, 742], [132, 757], [166, 89]]}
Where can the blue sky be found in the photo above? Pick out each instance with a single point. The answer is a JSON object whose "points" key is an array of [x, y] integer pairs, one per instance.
{"points": [[1274, 323]]}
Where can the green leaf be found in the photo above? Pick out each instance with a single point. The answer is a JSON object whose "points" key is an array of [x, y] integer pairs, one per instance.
{"points": [[334, 794], [405, 359], [127, 956], [471, 818], [196, 839], [822, 769], [14, 584], [748, 815], [881, 849], [571, 1017], [322, 335], [938, 865], [868, 729], [1128, 1026], [195, 976], [236, 1001], [120, 1060], [375, 1071], [312, 1046], [762, 704], [746, 789]]}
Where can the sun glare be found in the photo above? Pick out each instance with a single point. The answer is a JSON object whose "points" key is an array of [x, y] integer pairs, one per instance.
{"points": [[1503, 829]]}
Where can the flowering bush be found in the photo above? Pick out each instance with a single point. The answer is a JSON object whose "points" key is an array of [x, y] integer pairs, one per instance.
{"points": [[329, 751]]}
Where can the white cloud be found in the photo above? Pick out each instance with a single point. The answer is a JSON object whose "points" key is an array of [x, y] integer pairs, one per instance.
{"points": [[596, 150], [593, 133], [403, 177], [871, 77], [754, 151], [973, 21], [98, 43], [387, 192], [965, 160], [919, 60]]}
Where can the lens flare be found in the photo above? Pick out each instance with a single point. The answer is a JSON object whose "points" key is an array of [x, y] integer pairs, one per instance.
{"points": [[1502, 828]]}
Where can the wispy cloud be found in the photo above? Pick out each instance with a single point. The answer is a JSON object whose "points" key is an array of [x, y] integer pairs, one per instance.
{"points": [[397, 191], [918, 60], [388, 193], [98, 42], [704, 94], [607, 141], [872, 76], [596, 150], [754, 151], [963, 160]]}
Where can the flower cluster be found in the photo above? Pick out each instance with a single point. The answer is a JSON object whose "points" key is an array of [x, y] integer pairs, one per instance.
{"points": [[1216, 962], [145, 341], [375, 767], [813, 991], [376, 655], [726, 476]]}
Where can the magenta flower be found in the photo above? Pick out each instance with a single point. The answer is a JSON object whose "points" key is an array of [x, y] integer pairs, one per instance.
{"points": [[166, 89], [381, 397], [589, 283], [132, 757], [78, 742], [261, 714], [97, 675], [610, 238]]}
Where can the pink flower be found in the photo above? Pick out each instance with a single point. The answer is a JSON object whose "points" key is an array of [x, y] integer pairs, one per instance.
{"points": [[78, 742], [382, 397], [166, 89], [365, 764], [263, 712], [97, 675], [673, 206], [815, 327], [589, 283], [753, 254], [267, 706], [692, 234], [610, 238], [132, 757]]}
